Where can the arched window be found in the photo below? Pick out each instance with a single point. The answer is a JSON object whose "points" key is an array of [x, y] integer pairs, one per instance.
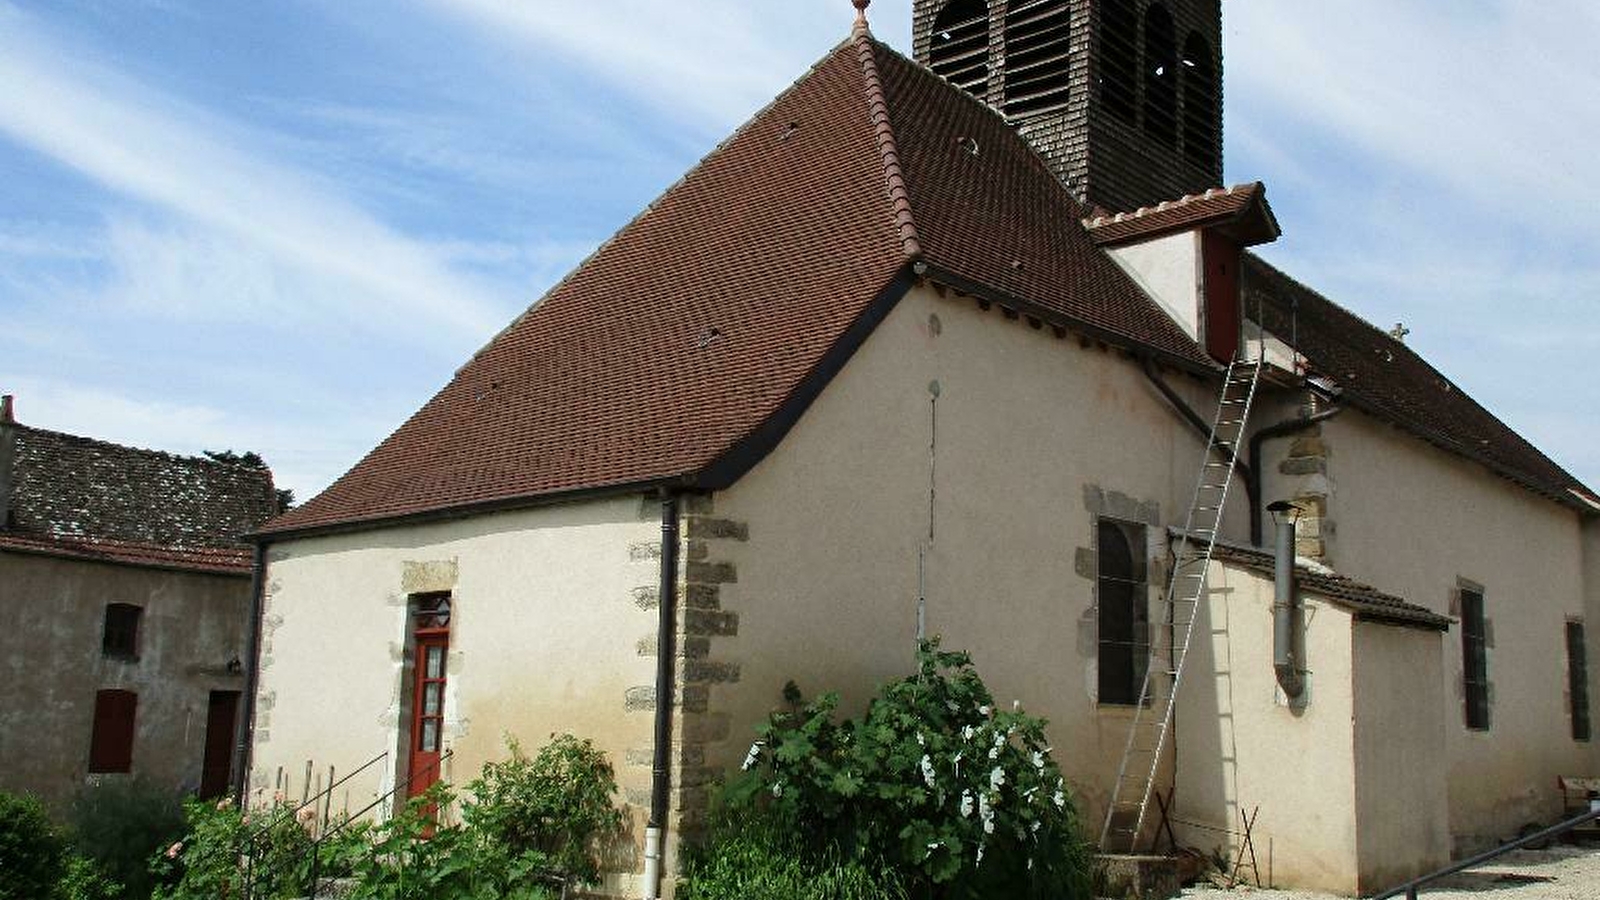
{"points": [[1124, 611], [1199, 103], [1119, 59], [1038, 42], [1160, 76], [959, 48]]}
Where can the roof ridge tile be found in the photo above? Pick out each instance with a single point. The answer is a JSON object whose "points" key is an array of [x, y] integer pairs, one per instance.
{"points": [[878, 112]]}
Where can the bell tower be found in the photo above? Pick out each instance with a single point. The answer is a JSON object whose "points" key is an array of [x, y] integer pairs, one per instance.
{"points": [[1123, 98]]}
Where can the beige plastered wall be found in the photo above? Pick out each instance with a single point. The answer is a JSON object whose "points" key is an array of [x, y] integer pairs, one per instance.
{"points": [[1246, 754], [1400, 717], [996, 484], [52, 619], [1168, 268], [549, 606], [1421, 523]]}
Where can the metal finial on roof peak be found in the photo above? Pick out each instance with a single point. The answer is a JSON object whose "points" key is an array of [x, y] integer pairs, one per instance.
{"points": [[861, 10]]}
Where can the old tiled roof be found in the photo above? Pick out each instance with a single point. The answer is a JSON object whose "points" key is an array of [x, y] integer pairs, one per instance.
{"points": [[1368, 603], [1241, 206], [687, 344], [1385, 378], [77, 496], [214, 560]]}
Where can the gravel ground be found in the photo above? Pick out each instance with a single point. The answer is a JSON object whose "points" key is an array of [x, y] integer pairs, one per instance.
{"points": [[1560, 873]]}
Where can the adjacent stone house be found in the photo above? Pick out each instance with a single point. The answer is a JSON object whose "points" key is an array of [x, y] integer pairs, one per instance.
{"points": [[124, 611], [937, 345]]}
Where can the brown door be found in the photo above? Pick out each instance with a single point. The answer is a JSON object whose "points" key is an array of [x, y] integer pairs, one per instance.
{"points": [[427, 708], [217, 766]]}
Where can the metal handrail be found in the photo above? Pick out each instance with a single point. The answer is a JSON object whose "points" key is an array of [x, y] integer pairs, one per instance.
{"points": [[248, 845], [1410, 887], [316, 845]]}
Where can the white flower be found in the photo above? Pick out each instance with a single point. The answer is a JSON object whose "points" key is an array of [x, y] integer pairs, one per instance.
{"points": [[1034, 828], [1038, 760], [997, 778], [932, 847], [1030, 863], [966, 804], [979, 860], [999, 738], [983, 710], [751, 757], [777, 789], [956, 761], [927, 770], [967, 733], [920, 741], [1016, 705], [988, 826], [994, 752], [1060, 798]]}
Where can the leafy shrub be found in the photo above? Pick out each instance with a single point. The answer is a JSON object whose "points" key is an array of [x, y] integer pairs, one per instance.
{"points": [[206, 863], [32, 852], [557, 803], [82, 879], [960, 798], [754, 854], [120, 822]]}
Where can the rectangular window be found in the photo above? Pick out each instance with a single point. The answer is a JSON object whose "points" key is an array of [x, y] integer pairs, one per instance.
{"points": [[120, 639], [1578, 681], [111, 742], [1475, 659], [1124, 611]]}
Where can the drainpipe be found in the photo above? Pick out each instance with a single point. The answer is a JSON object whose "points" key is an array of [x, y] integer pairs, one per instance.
{"points": [[1285, 611], [1202, 428], [660, 767], [247, 722], [8, 452], [1253, 472]]}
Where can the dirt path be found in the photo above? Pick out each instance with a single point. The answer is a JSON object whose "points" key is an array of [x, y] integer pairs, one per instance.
{"points": [[1560, 873]]}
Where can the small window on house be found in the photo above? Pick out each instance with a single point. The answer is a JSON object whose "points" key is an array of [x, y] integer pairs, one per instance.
{"points": [[1578, 681], [1199, 103], [959, 48], [1119, 59], [111, 741], [1474, 659], [1124, 611], [1160, 76], [120, 638], [1038, 43]]}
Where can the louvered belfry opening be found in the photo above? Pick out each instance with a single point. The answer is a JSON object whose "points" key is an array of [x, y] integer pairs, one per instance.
{"points": [[1037, 42], [1121, 98], [959, 46], [1160, 76], [1199, 103], [1119, 59]]}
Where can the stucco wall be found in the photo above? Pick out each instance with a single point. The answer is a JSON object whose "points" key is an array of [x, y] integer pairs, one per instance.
{"points": [[548, 608], [1418, 522], [1035, 435], [1401, 712], [1243, 749], [1168, 268], [52, 616]]}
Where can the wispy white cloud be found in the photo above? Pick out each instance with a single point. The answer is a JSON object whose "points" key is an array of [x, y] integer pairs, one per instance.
{"points": [[187, 163]]}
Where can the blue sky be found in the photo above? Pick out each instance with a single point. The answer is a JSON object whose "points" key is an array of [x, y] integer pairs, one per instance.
{"points": [[281, 226]]}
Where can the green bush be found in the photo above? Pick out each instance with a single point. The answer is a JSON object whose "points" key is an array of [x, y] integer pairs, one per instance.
{"points": [[754, 854], [120, 823], [33, 854], [82, 879], [205, 863], [960, 799]]}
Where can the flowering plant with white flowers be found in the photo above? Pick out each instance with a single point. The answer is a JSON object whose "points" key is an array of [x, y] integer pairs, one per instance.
{"points": [[956, 793]]}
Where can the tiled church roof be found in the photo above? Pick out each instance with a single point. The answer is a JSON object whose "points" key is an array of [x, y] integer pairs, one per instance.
{"points": [[76, 496], [1387, 379], [680, 349]]}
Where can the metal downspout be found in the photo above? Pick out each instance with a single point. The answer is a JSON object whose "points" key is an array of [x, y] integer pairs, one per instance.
{"points": [[1200, 425], [1253, 472], [247, 722], [1285, 662], [661, 762]]}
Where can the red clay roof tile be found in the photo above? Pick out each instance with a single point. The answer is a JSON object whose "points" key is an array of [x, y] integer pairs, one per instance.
{"points": [[1220, 206]]}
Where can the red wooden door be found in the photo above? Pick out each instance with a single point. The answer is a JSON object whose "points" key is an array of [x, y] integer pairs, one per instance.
{"points": [[218, 761], [427, 708]]}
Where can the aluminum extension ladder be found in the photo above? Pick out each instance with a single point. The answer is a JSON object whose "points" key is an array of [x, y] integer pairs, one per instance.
{"points": [[1152, 718]]}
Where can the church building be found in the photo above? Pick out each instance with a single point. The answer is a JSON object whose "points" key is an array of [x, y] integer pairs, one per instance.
{"points": [[970, 345]]}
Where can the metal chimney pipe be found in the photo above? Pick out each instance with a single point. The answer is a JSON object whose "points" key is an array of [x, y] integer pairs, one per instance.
{"points": [[1285, 611]]}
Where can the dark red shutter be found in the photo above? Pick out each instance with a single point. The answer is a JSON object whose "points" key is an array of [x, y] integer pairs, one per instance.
{"points": [[111, 745]]}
